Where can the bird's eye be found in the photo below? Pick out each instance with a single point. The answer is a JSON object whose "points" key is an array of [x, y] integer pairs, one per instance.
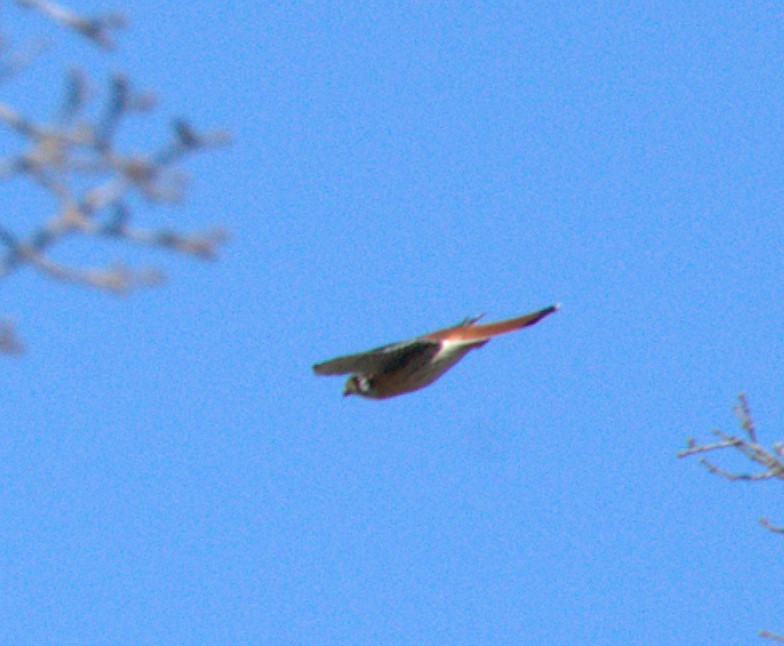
{"points": [[364, 384]]}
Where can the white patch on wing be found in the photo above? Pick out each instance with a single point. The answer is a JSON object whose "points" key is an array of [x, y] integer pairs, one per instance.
{"points": [[449, 348]]}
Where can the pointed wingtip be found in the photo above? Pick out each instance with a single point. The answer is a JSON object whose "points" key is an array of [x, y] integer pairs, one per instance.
{"points": [[556, 307]]}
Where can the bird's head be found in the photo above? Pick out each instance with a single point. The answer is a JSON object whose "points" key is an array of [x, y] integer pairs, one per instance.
{"points": [[357, 385]]}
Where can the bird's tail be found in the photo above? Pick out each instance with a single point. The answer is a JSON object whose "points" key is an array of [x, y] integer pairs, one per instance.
{"points": [[477, 332]]}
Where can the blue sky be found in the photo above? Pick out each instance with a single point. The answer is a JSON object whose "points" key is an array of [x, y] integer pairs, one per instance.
{"points": [[173, 471]]}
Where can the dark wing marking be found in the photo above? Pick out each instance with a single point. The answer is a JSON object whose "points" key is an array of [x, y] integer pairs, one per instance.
{"points": [[412, 355], [379, 360]]}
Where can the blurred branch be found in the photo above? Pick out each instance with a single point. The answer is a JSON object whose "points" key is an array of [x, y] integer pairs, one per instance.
{"points": [[772, 636], [776, 529], [9, 342], [97, 29], [75, 158], [769, 459]]}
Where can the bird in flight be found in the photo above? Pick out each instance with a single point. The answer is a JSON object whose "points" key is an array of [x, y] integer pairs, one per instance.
{"points": [[403, 367]]}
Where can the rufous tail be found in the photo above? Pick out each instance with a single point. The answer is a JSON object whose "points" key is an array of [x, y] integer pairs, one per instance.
{"points": [[477, 332]]}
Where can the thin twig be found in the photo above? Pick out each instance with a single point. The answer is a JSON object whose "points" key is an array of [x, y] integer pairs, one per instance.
{"points": [[744, 417], [771, 460], [58, 152], [9, 341], [776, 529], [97, 29], [76, 159]]}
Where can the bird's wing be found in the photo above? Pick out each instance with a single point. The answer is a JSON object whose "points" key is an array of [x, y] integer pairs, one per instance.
{"points": [[467, 332], [469, 320], [379, 360]]}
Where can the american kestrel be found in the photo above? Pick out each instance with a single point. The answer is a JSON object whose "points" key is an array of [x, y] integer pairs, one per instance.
{"points": [[403, 367]]}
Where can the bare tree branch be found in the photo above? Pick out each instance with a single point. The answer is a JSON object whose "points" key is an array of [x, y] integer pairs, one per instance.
{"points": [[743, 414], [97, 29], [776, 529], [9, 342], [771, 460], [76, 159]]}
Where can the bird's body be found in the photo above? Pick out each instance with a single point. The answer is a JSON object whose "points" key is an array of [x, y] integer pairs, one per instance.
{"points": [[399, 368]]}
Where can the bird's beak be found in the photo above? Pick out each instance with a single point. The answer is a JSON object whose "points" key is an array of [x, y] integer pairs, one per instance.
{"points": [[347, 392]]}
